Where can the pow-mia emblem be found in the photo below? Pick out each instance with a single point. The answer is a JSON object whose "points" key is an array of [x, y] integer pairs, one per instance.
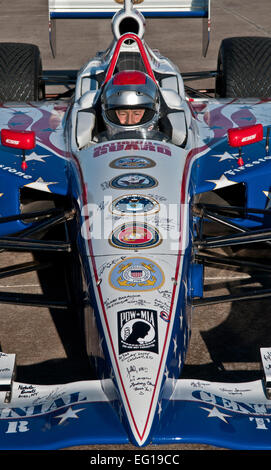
{"points": [[133, 181], [132, 162], [137, 330], [136, 274], [134, 204], [135, 236]]}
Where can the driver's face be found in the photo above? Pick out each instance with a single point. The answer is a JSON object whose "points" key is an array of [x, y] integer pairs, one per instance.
{"points": [[129, 116]]}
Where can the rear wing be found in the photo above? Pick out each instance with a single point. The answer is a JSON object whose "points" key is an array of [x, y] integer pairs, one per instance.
{"points": [[82, 9]]}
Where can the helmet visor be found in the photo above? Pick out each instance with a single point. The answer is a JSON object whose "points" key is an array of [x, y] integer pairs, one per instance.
{"points": [[130, 116]]}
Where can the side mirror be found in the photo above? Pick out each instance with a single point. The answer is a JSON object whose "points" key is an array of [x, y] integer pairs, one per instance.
{"points": [[245, 135], [85, 125], [24, 140], [178, 126]]}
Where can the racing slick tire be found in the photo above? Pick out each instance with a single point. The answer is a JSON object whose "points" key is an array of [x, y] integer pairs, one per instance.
{"points": [[244, 68], [20, 73]]}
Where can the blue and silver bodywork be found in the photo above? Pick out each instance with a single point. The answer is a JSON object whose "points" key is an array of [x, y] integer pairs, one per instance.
{"points": [[133, 212]]}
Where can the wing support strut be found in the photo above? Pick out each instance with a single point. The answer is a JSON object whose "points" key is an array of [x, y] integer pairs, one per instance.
{"points": [[24, 242], [203, 246]]}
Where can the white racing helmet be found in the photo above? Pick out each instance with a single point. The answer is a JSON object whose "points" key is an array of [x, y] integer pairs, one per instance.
{"points": [[130, 89]]}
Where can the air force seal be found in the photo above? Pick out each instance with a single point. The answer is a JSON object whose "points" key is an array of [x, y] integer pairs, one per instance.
{"points": [[134, 204], [136, 274]]}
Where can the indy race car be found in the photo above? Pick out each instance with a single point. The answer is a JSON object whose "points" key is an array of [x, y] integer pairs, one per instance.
{"points": [[123, 188]]}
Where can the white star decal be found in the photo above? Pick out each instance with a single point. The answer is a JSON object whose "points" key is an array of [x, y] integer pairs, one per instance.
{"points": [[215, 413], [159, 411], [175, 346], [36, 157], [221, 182], [226, 156], [180, 362], [69, 413], [40, 184], [181, 321], [166, 372]]}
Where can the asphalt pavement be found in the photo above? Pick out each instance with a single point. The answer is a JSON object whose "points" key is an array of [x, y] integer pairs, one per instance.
{"points": [[226, 338]]}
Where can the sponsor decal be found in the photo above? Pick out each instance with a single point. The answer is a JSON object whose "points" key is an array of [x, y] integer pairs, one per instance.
{"points": [[137, 330], [132, 162], [164, 316], [136, 274], [15, 172], [134, 236], [133, 181], [134, 204], [55, 400], [248, 164], [131, 146]]}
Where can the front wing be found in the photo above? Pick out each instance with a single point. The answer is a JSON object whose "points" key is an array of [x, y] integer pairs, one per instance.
{"points": [[57, 416], [227, 415]]}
